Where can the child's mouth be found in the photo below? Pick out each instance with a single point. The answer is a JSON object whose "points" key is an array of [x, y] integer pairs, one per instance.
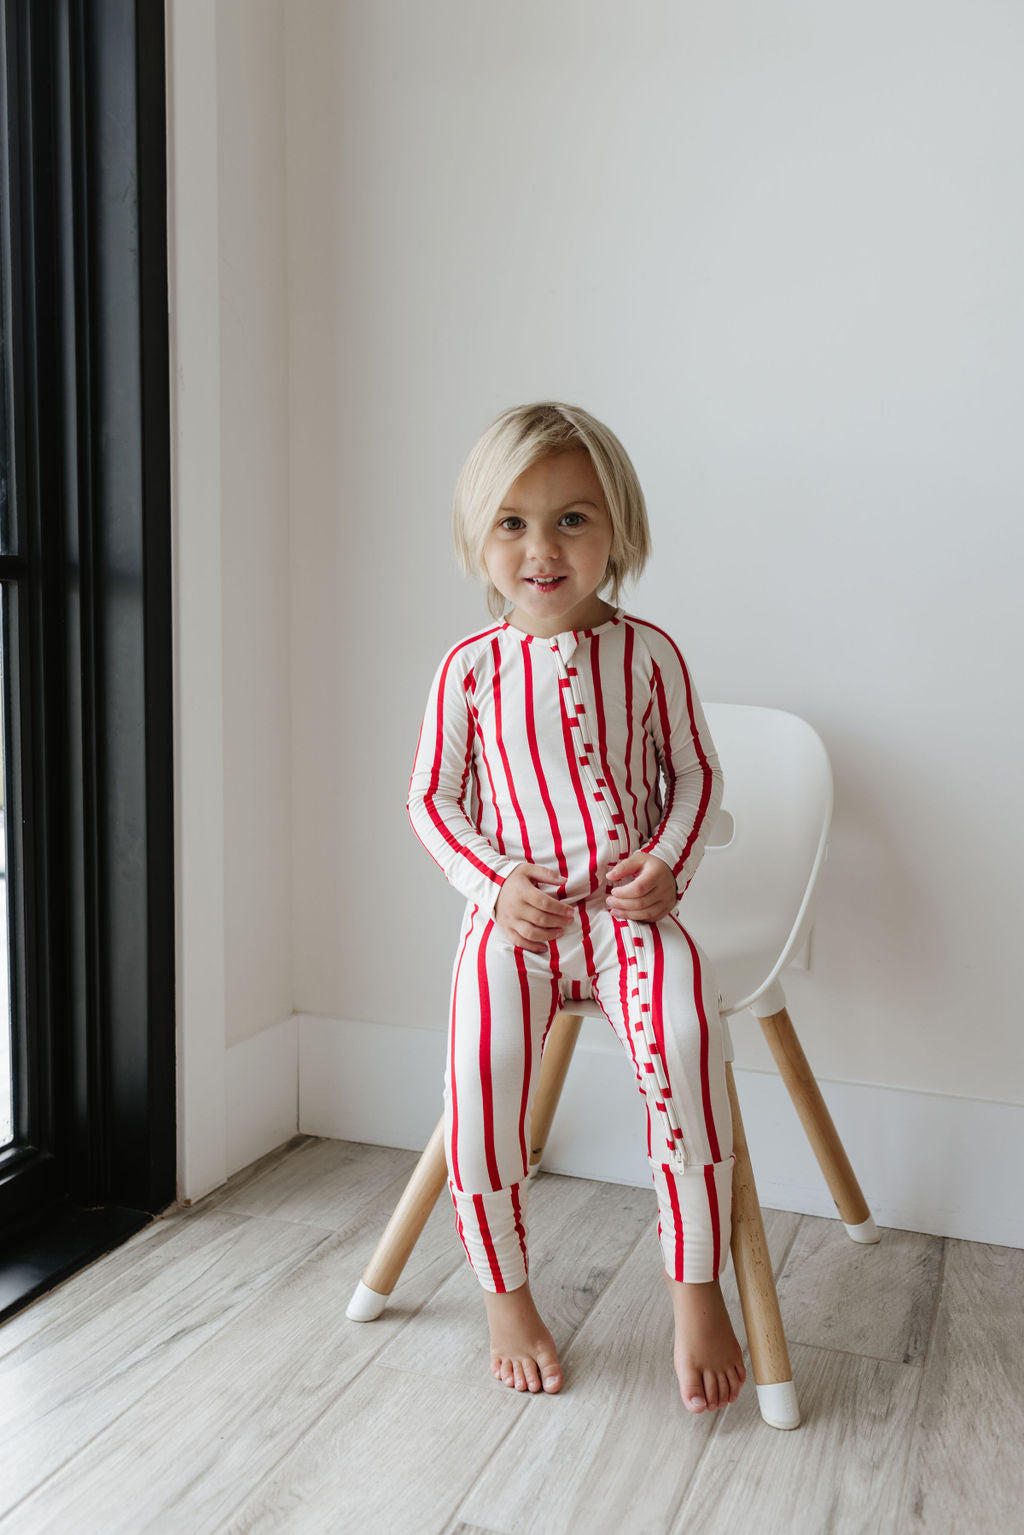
{"points": [[548, 584]]}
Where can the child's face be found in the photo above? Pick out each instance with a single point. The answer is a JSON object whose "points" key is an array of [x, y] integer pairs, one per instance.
{"points": [[553, 522]]}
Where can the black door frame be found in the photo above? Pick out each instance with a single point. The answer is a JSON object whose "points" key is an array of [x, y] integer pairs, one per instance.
{"points": [[88, 636]]}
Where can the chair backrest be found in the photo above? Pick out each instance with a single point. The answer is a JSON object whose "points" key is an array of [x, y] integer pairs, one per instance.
{"points": [[754, 889]]}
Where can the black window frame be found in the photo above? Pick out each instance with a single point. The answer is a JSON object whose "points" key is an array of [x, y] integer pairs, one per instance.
{"points": [[87, 637]]}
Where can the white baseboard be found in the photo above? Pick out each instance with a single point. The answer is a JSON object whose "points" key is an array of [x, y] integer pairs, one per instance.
{"points": [[926, 1161], [261, 1089]]}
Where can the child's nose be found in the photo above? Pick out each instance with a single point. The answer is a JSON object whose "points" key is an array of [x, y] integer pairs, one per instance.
{"points": [[544, 546]]}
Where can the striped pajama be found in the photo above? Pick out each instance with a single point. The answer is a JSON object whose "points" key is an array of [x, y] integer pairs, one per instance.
{"points": [[573, 752]]}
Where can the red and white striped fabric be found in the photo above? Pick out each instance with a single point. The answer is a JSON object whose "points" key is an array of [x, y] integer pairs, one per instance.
{"points": [[572, 752]]}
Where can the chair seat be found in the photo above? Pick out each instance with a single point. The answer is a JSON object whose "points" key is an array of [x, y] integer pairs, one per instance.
{"points": [[740, 978]]}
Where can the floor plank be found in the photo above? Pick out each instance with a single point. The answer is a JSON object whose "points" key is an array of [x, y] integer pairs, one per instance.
{"points": [[841, 1471], [323, 1183], [203, 1378], [392, 1455], [254, 1171], [616, 1448], [458, 1528], [877, 1299], [620, 1448], [111, 1268], [203, 1429], [966, 1469], [63, 1386]]}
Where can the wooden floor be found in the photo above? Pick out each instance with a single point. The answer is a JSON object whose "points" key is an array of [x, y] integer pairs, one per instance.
{"points": [[203, 1377]]}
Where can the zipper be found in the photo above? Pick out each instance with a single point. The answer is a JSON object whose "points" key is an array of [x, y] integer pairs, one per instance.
{"points": [[639, 1020], [644, 1026]]}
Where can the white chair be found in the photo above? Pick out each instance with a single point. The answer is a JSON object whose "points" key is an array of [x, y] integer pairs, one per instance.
{"points": [[751, 908]]}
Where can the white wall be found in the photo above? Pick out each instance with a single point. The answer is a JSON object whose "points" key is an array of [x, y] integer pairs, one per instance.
{"points": [[778, 250], [230, 432], [255, 544]]}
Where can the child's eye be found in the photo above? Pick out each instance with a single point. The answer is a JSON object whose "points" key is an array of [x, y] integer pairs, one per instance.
{"points": [[513, 524]]}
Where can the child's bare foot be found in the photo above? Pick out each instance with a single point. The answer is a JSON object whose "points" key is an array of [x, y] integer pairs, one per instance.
{"points": [[707, 1355], [523, 1352]]}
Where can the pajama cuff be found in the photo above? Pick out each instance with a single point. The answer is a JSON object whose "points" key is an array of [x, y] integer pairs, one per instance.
{"points": [[492, 1229], [695, 1224]]}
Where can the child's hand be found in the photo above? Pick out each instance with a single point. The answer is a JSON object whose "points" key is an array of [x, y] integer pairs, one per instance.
{"points": [[647, 896], [528, 917]]}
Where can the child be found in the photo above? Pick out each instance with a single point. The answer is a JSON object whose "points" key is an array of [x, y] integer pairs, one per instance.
{"points": [[538, 765]]}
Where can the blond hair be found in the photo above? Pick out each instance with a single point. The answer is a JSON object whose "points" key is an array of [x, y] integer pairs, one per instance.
{"points": [[519, 438]]}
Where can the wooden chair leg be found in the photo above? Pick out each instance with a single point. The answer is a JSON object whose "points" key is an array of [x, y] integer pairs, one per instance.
{"points": [[561, 1042], [402, 1231], [430, 1174], [817, 1122], [769, 1356]]}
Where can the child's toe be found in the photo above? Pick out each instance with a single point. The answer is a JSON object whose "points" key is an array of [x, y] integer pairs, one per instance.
{"points": [[691, 1388], [549, 1369]]}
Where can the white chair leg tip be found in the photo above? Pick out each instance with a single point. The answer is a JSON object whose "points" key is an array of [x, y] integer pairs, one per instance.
{"points": [[366, 1304], [778, 1404], [866, 1231]]}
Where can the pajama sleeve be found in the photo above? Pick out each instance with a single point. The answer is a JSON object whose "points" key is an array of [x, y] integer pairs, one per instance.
{"points": [[687, 759], [437, 788]]}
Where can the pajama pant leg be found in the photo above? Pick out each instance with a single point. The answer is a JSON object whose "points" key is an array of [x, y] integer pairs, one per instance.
{"points": [[503, 1001], [659, 990]]}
